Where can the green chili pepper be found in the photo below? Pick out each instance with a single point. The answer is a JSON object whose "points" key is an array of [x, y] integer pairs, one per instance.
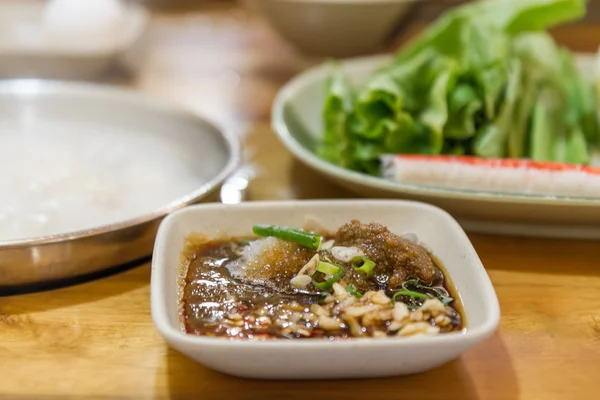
{"points": [[305, 239]]}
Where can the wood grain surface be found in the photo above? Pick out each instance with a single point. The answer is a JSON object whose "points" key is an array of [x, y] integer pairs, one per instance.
{"points": [[95, 338]]}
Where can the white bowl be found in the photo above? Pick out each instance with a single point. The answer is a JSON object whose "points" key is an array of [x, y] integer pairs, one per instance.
{"points": [[26, 49], [295, 359], [334, 28]]}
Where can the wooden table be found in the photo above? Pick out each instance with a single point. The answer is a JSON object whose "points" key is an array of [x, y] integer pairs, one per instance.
{"points": [[96, 339]]}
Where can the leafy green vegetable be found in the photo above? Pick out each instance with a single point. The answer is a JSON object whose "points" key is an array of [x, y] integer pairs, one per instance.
{"points": [[576, 149], [580, 100], [510, 16], [535, 15], [485, 54], [463, 104], [415, 77], [435, 114], [337, 107], [484, 79], [517, 136], [491, 142], [541, 134]]}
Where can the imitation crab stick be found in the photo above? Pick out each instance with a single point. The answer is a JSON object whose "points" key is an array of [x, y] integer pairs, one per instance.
{"points": [[504, 175]]}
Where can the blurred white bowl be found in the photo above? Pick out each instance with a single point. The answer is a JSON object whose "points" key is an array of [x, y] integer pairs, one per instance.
{"points": [[31, 46], [334, 28]]}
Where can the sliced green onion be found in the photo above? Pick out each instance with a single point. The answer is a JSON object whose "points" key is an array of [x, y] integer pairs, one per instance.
{"points": [[411, 293], [327, 284], [337, 272], [353, 291], [443, 295], [328, 268], [446, 300], [412, 282], [324, 257], [440, 293], [363, 264], [305, 239]]}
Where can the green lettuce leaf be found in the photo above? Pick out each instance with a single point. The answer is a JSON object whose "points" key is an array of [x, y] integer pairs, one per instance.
{"points": [[510, 16], [412, 137], [484, 79], [435, 114], [463, 104], [581, 109], [543, 135], [576, 151], [492, 140], [338, 105], [486, 54]]}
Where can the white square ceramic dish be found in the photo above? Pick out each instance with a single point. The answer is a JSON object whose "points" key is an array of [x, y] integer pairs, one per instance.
{"points": [[295, 359]]}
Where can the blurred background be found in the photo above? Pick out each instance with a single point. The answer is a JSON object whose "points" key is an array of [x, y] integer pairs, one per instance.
{"points": [[213, 55], [224, 59]]}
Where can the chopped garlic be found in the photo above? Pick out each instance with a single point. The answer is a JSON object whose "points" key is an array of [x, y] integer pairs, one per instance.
{"points": [[357, 311], [329, 323], [300, 281], [318, 310], [380, 298], [302, 278], [327, 245], [311, 266], [346, 254], [400, 311], [339, 292], [419, 328], [433, 306]]}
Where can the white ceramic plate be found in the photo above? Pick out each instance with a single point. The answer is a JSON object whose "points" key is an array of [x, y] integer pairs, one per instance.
{"points": [[26, 51], [297, 120], [295, 359]]}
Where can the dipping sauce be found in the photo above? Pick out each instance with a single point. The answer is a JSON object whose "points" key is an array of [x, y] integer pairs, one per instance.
{"points": [[362, 281]]}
